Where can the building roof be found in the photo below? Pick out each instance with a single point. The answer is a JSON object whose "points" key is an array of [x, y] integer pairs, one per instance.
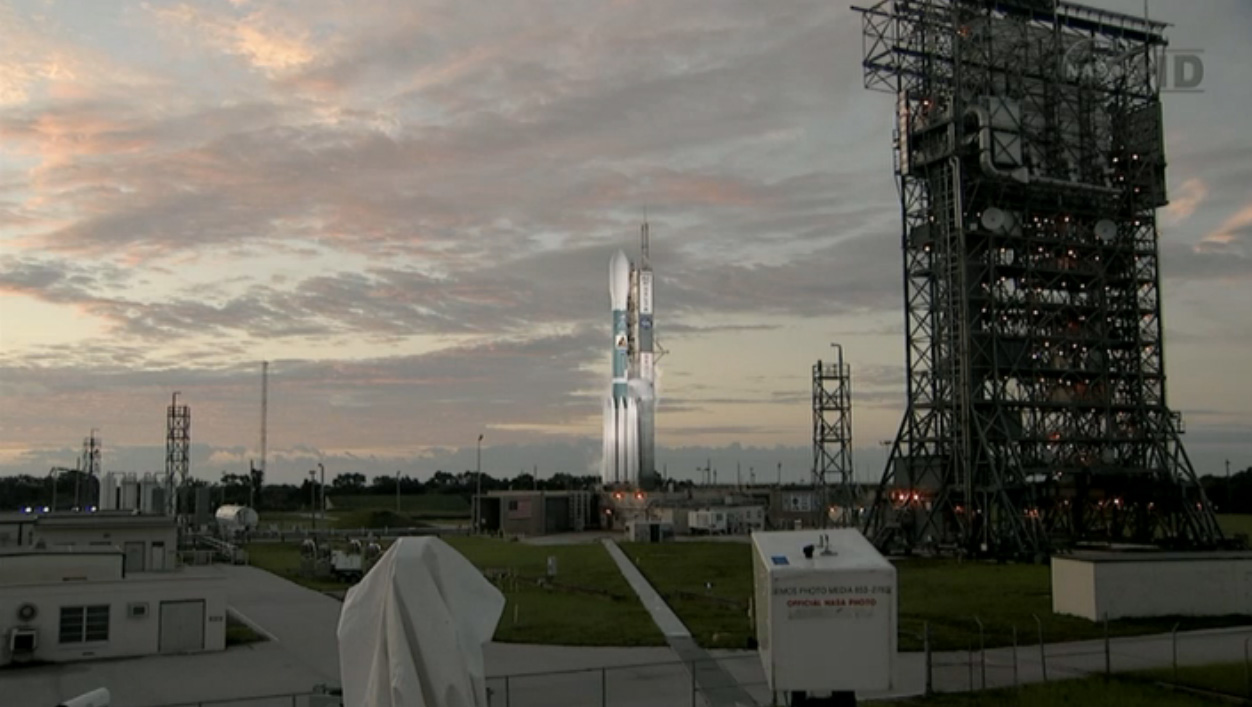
{"points": [[104, 519], [1151, 556], [27, 551]]}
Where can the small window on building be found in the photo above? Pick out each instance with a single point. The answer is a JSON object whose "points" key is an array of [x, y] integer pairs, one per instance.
{"points": [[83, 624], [513, 505]]}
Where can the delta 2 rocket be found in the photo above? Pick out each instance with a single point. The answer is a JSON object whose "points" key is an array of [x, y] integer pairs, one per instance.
{"points": [[630, 408]]}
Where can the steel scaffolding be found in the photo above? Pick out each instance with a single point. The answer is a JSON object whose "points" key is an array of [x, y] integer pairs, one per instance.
{"points": [[1030, 162], [832, 438], [177, 456]]}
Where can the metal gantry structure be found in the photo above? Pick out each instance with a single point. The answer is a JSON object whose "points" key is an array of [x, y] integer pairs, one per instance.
{"points": [[832, 436], [177, 455], [1029, 157]]}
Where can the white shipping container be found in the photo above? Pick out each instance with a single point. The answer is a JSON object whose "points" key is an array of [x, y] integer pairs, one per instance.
{"points": [[826, 623]]}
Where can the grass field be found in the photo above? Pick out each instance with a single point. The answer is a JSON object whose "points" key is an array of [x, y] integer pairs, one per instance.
{"points": [[283, 559], [426, 504], [1092, 691], [1226, 678], [593, 605], [238, 633], [944, 593], [590, 603], [716, 615], [1232, 524]]}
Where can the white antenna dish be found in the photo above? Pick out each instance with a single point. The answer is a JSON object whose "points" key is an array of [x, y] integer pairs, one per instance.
{"points": [[994, 219], [1105, 230]]}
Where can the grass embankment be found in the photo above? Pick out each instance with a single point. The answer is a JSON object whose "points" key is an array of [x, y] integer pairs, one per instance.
{"points": [[944, 593], [1226, 678], [589, 604], [1091, 691], [1232, 524], [238, 633]]}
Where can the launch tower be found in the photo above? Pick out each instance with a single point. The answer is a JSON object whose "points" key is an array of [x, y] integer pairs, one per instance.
{"points": [[1030, 162]]}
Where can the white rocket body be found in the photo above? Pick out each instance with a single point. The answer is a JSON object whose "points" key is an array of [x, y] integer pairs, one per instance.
{"points": [[628, 456]]}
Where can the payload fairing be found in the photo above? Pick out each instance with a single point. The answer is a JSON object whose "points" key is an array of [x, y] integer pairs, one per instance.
{"points": [[630, 408]]}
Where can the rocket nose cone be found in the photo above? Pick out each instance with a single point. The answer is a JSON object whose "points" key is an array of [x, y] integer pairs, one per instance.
{"points": [[619, 280]]}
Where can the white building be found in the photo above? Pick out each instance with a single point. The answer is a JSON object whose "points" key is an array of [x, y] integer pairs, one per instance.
{"points": [[149, 542], [81, 603], [733, 520]]}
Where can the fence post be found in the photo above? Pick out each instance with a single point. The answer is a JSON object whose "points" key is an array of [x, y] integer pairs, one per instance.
{"points": [[982, 652], [1043, 653], [1015, 682], [1108, 658], [930, 675], [694, 689], [1247, 665], [971, 668], [604, 687], [1173, 639], [507, 696]]}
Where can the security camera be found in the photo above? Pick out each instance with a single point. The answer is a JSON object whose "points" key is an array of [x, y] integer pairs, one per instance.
{"points": [[95, 698]]}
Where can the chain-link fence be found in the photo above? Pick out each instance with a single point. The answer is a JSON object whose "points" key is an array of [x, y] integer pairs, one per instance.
{"points": [[1202, 662]]}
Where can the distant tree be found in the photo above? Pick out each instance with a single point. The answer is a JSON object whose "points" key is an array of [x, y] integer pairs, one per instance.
{"points": [[349, 483]]}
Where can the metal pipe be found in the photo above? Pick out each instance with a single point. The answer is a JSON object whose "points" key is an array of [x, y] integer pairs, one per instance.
{"points": [[982, 652], [1043, 654]]}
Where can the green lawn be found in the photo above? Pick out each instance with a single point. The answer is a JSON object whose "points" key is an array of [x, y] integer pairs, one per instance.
{"points": [[946, 594], [1226, 678], [717, 616], [590, 604], [1232, 524], [238, 633], [283, 559], [412, 504], [1095, 692]]}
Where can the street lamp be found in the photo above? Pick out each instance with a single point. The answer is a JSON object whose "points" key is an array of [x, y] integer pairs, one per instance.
{"points": [[313, 499], [323, 488], [478, 496]]}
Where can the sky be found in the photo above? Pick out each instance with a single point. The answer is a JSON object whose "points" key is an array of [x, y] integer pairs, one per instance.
{"points": [[408, 208]]}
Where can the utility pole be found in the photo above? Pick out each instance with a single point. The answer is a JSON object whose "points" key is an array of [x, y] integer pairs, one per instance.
{"points": [[397, 492], [313, 499], [478, 479]]}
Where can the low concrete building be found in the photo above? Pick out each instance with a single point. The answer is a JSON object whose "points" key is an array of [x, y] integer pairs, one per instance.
{"points": [[531, 513], [62, 605], [1114, 585], [149, 542], [726, 520]]}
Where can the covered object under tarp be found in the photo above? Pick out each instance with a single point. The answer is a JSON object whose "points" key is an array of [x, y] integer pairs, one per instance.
{"points": [[411, 633]]}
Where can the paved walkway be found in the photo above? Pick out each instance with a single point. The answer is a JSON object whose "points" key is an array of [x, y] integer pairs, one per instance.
{"points": [[718, 687]]}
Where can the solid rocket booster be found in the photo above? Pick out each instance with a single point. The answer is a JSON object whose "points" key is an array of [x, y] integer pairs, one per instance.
{"points": [[620, 413]]}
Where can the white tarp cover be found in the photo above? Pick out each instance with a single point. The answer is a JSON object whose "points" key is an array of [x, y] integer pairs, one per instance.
{"points": [[411, 633]]}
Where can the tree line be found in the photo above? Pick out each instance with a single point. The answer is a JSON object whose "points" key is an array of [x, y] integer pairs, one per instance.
{"points": [[71, 488]]}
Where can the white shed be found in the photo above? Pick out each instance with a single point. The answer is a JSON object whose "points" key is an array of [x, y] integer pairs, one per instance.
{"points": [[825, 603]]}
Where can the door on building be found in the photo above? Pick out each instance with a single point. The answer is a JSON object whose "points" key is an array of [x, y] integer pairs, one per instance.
{"points": [[182, 626], [134, 557], [156, 562]]}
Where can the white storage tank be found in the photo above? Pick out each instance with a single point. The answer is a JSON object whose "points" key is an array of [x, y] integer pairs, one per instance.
{"points": [[234, 519], [825, 609]]}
